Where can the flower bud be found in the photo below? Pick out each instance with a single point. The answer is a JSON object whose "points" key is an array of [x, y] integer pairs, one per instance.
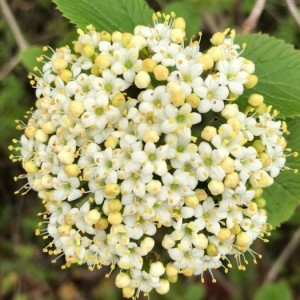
{"points": [[30, 131], [88, 50], [161, 73], [157, 269], [64, 229], [201, 194], [224, 234], [105, 36], [72, 170], [208, 133], [112, 189], [177, 35], [251, 209], [102, 61], [187, 272], [236, 229], [207, 61], [117, 36], [243, 239], [46, 181], [191, 201], [92, 217], [216, 53], [212, 250], [232, 180], [48, 127], [201, 241], [153, 187], [30, 166], [217, 38], [235, 123], [178, 98], [65, 75], [164, 287], [122, 280], [111, 142], [65, 157], [138, 41], [260, 201], [41, 136], [151, 136], [148, 65], [260, 179], [179, 23], [114, 205], [102, 224], [59, 64], [230, 111], [216, 187], [193, 100], [251, 81], [147, 244], [142, 80], [118, 100], [167, 242], [115, 218], [171, 270], [228, 165], [256, 100], [128, 292]]}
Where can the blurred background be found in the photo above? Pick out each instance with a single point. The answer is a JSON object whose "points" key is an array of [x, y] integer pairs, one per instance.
{"points": [[26, 273]]}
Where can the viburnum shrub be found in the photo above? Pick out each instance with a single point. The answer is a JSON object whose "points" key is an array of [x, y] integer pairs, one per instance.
{"points": [[143, 158]]}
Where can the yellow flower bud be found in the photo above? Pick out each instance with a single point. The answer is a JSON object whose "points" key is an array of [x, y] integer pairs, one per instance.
{"points": [[128, 292], [191, 201], [179, 23], [65, 75], [102, 61], [112, 189], [216, 187], [30, 166], [201, 194], [88, 50], [92, 217], [215, 53], [251, 81], [193, 100], [72, 170], [115, 205], [41, 136], [59, 64], [164, 286], [232, 180], [30, 131], [151, 136], [207, 61], [208, 133], [153, 187], [255, 100], [122, 280], [142, 80], [224, 234], [76, 108], [116, 36], [212, 250], [115, 218], [177, 35], [243, 239], [161, 73], [118, 100], [111, 142], [105, 36], [148, 65]]}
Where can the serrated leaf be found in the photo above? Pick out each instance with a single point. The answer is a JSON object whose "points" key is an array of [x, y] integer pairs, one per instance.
{"points": [[189, 12], [109, 15], [284, 195], [29, 55], [275, 291], [278, 69]]}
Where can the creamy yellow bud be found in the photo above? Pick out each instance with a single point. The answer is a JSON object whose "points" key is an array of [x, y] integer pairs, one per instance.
{"points": [[177, 35], [117, 36], [147, 244], [249, 66], [201, 194], [161, 73], [65, 75], [92, 217], [30, 131], [167, 242], [88, 50], [105, 36], [150, 136], [193, 100], [173, 279], [262, 109], [236, 229], [251, 81], [228, 165], [115, 218], [30, 166], [243, 239], [265, 159], [102, 224], [179, 23], [138, 41], [201, 242], [128, 292], [232, 180], [164, 287], [76, 108], [191, 201], [224, 234], [142, 80], [118, 100], [77, 46], [173, 87], [217, 38], [115, 205], [212, 250], [215, 53], [126, 39], [41, 136], [251, 209], [235, 123], [122, 280], [256, 100], [112, 189], [72, 170], [102, 61], [216, 187], [208, 133], [171, 270], [65, 157], [207, 61], [177, 99], [187, 272], [153, 187], [59, 64], [148, 65], [111, 142], [261, 179]]}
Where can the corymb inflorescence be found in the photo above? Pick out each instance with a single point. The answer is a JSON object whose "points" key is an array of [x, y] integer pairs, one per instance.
{"points": [[143, 157]]}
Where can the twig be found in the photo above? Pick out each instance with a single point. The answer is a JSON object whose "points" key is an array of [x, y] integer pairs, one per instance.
{"points": [[11, 20], [283, 257], [251, 22], [7, 68], [293, 10]]}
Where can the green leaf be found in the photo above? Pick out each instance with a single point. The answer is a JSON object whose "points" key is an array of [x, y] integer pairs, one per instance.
{"points": [[190, 13], [284, 195], [29, 55], [275, 291], [278, 69], [194, 292], [109, 15]]}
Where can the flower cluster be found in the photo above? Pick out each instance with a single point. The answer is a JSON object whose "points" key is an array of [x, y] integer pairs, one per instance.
{"points": [[143, 158]]}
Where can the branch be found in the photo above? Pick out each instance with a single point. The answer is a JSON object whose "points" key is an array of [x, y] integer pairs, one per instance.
{"points": [[283, 257], [251, 22], [293, 10], [8, 67], [13, 25]]}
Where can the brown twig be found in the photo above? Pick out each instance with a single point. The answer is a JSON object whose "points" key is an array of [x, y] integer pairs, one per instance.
{"points": [[8, 67], [13, 25], [251, 22], [293, 10], [283, 257]]}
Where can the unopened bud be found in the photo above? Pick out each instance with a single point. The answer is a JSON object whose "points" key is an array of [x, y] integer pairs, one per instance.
{"points": [[256, 100], [142, 80], [208, 133], [164, 287], [207, 61], [212, 250], [92, 217], [216, 187], [161, 73], [72, 170], [112, 189], [122, 280]]}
